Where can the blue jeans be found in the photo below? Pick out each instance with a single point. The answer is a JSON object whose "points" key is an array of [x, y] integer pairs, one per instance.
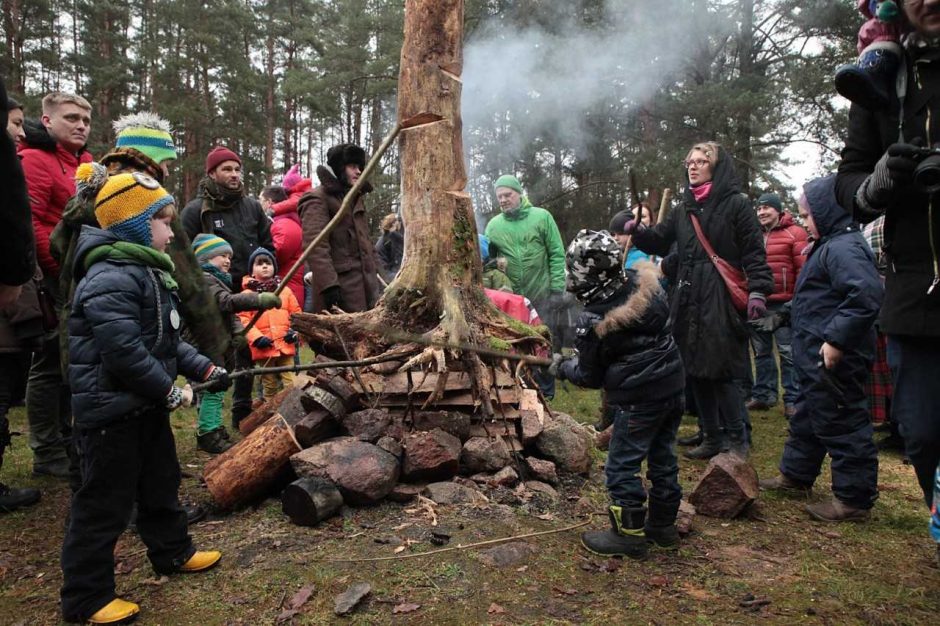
{"points": [[915, 369], [645, 431], [765, 383]]}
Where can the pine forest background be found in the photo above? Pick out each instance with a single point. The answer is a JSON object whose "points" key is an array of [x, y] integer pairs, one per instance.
{"points": [[569, 95]]}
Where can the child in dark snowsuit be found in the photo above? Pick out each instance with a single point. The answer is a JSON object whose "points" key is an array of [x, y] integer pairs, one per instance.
{"points": [[833, 311], [625, 345], [870, 82], [125, 353], [215, 256]]}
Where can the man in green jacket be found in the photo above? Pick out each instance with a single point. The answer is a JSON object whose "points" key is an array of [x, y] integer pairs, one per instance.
{"points": [[528, 238]]}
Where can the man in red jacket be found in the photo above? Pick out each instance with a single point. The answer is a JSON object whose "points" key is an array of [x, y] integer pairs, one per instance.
{"points": [[784, 241], [50, 154]]}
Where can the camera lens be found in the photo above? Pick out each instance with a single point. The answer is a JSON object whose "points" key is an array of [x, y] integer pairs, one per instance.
{"points": [[927, 174]]}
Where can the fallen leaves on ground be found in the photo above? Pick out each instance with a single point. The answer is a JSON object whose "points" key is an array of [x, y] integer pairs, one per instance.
{"points": [[294, 604], [407, 607]]}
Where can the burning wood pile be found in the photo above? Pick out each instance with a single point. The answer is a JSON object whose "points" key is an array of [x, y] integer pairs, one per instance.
{"points": [[358, 438]]}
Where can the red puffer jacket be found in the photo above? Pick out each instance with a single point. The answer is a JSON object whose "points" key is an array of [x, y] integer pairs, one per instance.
{"points": [[288, 236], [50, 182], [785, 243]]}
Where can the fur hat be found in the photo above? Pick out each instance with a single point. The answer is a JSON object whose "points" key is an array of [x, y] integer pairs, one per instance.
{"points": [[147, 133], [219, 155], [338, 157], [771, 200], [595, 265], [207, 246], [124, 203], [508, 180], [259, 251]]}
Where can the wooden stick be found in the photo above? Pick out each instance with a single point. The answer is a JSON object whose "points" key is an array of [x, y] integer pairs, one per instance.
{"points": [[349, 199], [511, 356], [457, 547], [664, 205]]}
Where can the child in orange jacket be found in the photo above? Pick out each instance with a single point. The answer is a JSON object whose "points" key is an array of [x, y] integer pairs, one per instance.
{"points": [[273, 342]]}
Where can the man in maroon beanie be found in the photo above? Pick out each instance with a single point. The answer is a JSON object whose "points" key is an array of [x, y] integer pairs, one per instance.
{"points": [[222, 208]]}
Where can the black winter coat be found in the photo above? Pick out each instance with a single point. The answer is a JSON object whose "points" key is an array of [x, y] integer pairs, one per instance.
{"points": [[17, 244], [625, 345], [839, 292], [124, 344], [711, 334], [914, 217], [390, 248], [244, 226]]}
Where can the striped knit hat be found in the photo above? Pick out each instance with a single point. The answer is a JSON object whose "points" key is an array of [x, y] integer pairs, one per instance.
{"points": [[125, 203], [147, 133], [206, 247]]}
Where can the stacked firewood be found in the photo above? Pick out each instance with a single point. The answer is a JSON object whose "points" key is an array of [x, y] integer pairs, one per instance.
{"points": [[359, 437]]}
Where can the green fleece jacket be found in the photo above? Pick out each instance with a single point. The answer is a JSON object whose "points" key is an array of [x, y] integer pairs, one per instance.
{"points": [[531, 243]]}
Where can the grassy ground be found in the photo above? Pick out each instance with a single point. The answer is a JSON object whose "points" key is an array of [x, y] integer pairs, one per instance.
{"points": [[877, 573]]}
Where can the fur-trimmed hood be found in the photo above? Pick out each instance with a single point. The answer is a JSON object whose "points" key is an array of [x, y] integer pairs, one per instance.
{"points": [[646, 277]]}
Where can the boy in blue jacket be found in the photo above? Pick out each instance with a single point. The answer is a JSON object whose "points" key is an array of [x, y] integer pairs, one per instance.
{"points": [[833, 311], [125, 353], [625, 345]]}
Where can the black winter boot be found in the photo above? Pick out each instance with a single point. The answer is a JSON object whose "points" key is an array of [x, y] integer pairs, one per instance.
{"points": [[214, 441], [692, 440], [12, 498], [624, 537], [706, 450], [661, 525]]}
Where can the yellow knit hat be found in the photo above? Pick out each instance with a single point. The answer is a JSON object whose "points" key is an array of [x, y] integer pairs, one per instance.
{"points": [[125, 202]]}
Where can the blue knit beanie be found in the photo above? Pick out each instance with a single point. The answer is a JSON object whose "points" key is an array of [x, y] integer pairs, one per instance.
{"points": [[259, 251]]}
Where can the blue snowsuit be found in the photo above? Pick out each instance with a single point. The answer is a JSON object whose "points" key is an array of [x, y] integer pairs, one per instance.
{"points": [[837, 299]]}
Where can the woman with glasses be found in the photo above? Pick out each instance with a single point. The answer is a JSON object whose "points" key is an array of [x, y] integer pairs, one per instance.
{"points": [[712, 335]]}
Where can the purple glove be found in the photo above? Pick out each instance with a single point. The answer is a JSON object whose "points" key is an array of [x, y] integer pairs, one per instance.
{"points": [[630, 227], [756, 307]]}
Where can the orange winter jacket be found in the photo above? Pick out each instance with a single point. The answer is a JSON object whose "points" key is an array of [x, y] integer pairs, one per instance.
{"points": [[273, 324]]}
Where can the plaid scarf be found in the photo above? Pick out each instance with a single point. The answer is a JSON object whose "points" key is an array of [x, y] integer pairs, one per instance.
{"points": [[262, 285]]}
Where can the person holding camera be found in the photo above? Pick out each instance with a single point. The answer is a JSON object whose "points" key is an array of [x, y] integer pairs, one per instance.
{"points": [[886, 169]]}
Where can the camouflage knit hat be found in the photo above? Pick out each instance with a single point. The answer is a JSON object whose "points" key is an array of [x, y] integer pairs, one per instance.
{"points": [[595, 266]]}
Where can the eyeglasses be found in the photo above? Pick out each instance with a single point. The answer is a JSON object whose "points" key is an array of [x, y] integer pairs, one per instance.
{"points": [[699, 163]]}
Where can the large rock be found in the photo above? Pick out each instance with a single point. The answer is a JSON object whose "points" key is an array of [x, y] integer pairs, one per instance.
{"points": [[530, 426], [566, 443], [542, 470], [728, 486], [482, 454], [453, 422], [364, 473], [433, 455], [452, 493], [368, 425], [684, 518]]}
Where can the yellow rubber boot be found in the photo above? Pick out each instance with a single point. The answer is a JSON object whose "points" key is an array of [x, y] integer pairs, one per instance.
{"points": [[114, 612], [201, 561]]}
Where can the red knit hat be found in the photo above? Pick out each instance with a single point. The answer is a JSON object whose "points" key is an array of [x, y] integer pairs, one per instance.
{"points": [[218, 155]]}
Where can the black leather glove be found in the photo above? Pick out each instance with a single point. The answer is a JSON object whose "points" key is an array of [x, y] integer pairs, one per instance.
{"points": [[263, 342], [291, 336], [218, 379], [332, 296], [893, 171]]}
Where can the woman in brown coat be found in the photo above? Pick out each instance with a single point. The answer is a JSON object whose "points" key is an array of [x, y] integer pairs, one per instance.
{"points": [[344, 266]]}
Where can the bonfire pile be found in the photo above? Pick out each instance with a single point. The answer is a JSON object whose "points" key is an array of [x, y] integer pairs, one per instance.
{"points": [[360, 437]]}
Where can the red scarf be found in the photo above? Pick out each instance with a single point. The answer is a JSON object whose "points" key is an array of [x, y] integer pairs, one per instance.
{"points": [[700, 192]]}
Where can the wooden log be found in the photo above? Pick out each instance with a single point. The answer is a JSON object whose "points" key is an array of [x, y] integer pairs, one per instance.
{"points": [[315, 427], [247, 469], [342, 389], [423, 382], [309, 501], [262, 414], [316, 398]]}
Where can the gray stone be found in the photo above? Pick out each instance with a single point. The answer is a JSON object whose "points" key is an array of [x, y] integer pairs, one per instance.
{"points": [[726, 489], [433, 455], [350, 599], [542, 470], [404, 492], [506, 477], [452, 493], [392, 446], [507, 554], [543, 488], [367, 425], [566, 443], [363, 472], [482, 454], [530, 427], [453, 422], [684, 518]]}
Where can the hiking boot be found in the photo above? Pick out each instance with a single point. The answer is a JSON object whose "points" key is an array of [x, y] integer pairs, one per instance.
{"points": [[115, 612], [200, 561], [213, 442], [691, 440], [781, 483], [12, 498], [194, 512], [740, 448], [834, 510], [756, 405], [58, 469], [624, 537], [706, 450]]}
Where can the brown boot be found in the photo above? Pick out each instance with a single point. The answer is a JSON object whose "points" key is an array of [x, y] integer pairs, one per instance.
{"points": [[782, 483], [834, 510]]}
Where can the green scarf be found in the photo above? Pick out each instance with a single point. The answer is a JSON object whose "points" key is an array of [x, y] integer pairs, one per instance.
{"points": [[219, 198], [520, 211], [137, 254], [225, 277]]}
